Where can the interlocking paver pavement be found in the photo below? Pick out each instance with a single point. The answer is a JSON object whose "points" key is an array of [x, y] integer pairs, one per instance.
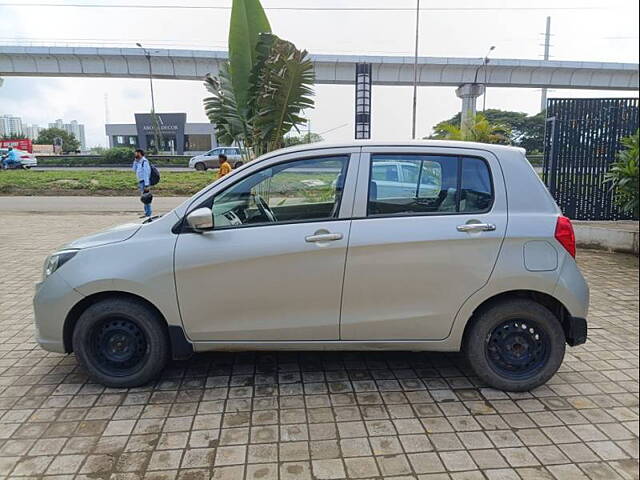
{"points": [[312, 415]]}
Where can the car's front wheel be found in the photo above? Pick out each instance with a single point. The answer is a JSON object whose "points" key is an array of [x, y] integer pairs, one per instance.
{"points": [[121, 342], [201, 167], [238, 164], [515, 345]]}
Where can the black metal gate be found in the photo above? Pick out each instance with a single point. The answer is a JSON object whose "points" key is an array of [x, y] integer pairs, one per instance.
{"points": [[582, 138]]}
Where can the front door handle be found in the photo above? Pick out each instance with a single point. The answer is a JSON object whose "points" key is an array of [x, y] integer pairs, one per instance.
{"points": [[323, 237], [476, 227]]}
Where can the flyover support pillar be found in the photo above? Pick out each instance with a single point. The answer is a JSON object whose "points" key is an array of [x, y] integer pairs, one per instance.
{"points": [[469, 93], [363, 101]]}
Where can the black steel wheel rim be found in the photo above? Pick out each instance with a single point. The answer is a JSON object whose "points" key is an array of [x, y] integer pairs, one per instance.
{"points": [[119, 346], [517, 349]]}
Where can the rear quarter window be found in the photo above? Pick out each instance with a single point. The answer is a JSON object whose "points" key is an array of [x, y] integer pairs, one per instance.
{"points": [[476, 191]]}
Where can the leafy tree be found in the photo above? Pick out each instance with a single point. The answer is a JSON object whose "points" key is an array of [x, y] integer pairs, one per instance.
{"points": [[48, 136], [479, 129], [299, 139], [525, 130], [258, 95], [623, 175]]}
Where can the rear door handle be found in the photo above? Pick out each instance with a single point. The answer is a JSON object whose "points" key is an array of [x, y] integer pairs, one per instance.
{"points": [[476, 227], [323, 237]]}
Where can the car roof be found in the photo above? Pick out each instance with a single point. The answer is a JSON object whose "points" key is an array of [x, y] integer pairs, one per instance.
{"points": [[395, 143]]}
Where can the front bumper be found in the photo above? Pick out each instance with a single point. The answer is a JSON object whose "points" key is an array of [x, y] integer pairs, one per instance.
{"points": [[575, 331], [52, 302]]}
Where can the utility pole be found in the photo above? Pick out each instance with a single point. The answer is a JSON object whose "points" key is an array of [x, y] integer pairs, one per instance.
{"points": [[415, 71], [106, 108], [485, 61], [547, 44], [154, 118]]}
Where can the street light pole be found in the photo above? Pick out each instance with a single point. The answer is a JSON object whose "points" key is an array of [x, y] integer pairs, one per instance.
{"points": [[484, 63], [415, 71], [154, 119]]}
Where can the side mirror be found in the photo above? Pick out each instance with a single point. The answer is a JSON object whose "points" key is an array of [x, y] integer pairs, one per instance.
{"points": [[201, 219]]}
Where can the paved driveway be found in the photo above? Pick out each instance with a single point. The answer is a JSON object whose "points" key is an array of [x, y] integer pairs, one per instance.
{"points": [[312, 415]]}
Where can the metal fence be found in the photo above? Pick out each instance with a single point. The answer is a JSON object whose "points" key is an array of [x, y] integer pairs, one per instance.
{"points": [[582, 138]]}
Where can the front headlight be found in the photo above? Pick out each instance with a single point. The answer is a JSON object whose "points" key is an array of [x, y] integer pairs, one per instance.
{"points": [[55, 261]]}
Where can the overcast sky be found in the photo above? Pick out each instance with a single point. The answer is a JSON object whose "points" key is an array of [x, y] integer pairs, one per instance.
{"points": [[598, 30]]}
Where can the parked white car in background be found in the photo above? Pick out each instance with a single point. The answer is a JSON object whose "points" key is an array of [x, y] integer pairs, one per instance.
{"points": [[28, 160], [210, 159], [313, 248]]}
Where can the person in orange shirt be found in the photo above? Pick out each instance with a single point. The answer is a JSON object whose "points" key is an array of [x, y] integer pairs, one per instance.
{"points": [[225, 166]]}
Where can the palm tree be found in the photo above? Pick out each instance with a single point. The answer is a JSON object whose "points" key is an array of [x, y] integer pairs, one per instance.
{"points": [[479, 129], [259, 94]]}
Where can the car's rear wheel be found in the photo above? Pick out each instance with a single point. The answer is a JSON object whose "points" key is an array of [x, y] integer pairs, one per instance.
{"points": [[121, 342], [201, 167], [515, 345]]}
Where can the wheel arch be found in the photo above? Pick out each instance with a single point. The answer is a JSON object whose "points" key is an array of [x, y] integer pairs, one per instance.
{"points": [[180, 346], [554, 305]]}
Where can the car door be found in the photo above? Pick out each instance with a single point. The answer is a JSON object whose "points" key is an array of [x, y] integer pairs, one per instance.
{"points": [[211, 158], [414, 259], [258, 278], [232, 154]]}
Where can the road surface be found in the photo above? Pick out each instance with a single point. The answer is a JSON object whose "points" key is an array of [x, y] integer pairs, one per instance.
{"points": [[85, 204]]}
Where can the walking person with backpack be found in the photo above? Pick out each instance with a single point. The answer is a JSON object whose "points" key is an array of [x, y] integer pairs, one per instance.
{"points": [[147, 175]]}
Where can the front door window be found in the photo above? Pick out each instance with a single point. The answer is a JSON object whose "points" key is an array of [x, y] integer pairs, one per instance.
{"points": [[297, 191]]}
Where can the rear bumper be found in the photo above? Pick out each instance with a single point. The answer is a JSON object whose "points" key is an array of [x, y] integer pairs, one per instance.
{"points": [[575, 330]]}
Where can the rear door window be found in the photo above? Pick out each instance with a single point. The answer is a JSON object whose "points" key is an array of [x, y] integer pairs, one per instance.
{"points": [[428, 184]]}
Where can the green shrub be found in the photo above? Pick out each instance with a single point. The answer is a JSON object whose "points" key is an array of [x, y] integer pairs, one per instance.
{"points": [[118, 155], [623, 175]]}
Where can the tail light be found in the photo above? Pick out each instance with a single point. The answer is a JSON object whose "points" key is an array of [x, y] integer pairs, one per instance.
{"points": [[25, 156], [564, 234]]}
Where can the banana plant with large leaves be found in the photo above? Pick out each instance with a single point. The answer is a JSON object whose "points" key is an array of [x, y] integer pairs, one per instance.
{"points": [[248, 21], [281, 87], [259, 94]]}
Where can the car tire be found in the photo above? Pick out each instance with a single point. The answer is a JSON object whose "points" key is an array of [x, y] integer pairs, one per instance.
{"points": [[515, 345], [201, 167], [121, 342], [238, 164]]}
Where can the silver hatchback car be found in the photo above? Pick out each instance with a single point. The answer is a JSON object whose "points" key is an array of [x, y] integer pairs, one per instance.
{"points": [[468, 252], [210, 159]]}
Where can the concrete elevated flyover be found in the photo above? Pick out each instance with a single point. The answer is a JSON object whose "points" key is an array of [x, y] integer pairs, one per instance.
{"points": [[49, 61], [330, 69]]}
